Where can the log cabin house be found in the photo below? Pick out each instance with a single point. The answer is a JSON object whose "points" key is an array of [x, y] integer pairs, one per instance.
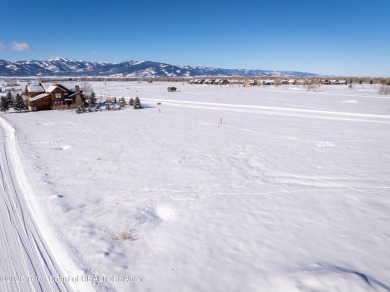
{"points": [[48, 96]]}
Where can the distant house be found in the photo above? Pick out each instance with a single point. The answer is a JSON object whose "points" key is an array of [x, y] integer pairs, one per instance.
{"points": [[225, 82], [338, 82], [172, 89], [195, 81], [47, 96], [245, 83], [268, 82], [235, 81]]}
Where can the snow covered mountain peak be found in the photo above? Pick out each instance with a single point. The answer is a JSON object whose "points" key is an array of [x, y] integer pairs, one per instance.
{"points": [[59, 66]]}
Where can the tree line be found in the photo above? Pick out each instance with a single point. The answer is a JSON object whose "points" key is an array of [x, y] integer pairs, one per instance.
{"points": [[12, 101]]}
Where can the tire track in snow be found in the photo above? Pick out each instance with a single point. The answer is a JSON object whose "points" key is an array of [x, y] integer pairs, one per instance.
{"points": [[320, 93], [278, 111], [24, 254]]}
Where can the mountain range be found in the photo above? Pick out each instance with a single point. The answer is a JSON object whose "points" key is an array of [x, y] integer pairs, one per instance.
{"points": [[69, 67]]}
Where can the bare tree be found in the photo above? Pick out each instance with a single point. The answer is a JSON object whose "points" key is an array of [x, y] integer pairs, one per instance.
{"points": [[384, 90], [311, 85], [87, 88]]}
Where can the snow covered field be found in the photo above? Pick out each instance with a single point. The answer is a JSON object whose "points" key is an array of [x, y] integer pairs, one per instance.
{"points": [[291, 192]]}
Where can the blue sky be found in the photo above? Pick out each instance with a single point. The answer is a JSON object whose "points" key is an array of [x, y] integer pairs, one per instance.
{"points": [[325, 37]]}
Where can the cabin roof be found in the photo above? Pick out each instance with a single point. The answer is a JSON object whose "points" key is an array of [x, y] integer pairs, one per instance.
{"points": [[51, 88], [35, 88], [42, 95]]}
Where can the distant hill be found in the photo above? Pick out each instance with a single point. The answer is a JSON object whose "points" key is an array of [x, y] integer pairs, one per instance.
{"points": [[69, 67]]}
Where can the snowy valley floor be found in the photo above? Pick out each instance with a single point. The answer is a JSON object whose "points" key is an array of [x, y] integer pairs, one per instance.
{"points": [[290, 193]]}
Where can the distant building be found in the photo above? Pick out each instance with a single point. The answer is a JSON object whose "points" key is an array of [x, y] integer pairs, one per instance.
{"points": [[268, 82], [235, 81], [48, 96], [222, 82], [338, 82], [172, 89]]}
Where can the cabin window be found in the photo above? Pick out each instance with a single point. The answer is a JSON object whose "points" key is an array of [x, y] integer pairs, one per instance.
{"points": [[58, 95]]}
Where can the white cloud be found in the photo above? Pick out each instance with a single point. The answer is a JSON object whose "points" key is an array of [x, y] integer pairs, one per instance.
{"points": [[2, 48], [55, 57], [21, 46]]}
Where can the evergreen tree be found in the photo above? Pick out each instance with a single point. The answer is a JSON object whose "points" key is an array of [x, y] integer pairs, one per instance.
{"points": [[122, 102], [10, 99], [131, 102], [92, 98], [90, 108], [3, 104], [19, 104], [137, 103], [78, 110]]}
